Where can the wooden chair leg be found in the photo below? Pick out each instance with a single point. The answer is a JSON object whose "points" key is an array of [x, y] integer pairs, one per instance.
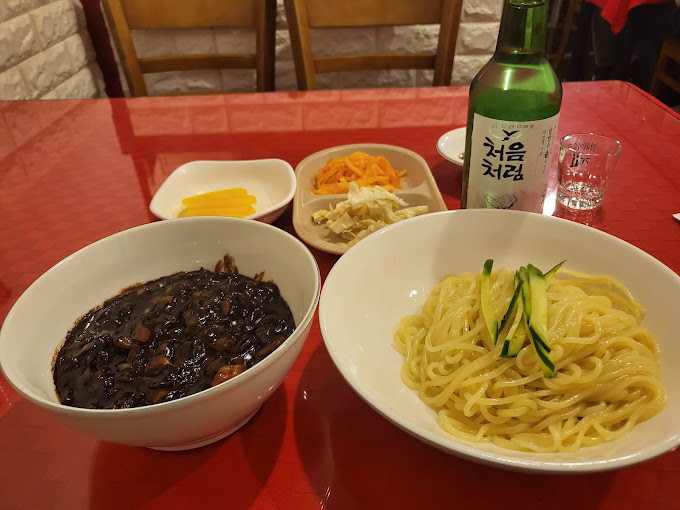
{"points": [[654, 87]]}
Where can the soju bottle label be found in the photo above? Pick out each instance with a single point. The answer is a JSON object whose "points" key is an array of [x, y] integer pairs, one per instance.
{"points": [[510, 163]]}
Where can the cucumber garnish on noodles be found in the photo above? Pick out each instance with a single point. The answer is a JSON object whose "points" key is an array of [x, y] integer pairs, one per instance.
{"points": [[516, 335], [528, 307], [487, 308]]}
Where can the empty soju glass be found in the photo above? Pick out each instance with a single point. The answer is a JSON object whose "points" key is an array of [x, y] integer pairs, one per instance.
{"points": [[586, 163]]}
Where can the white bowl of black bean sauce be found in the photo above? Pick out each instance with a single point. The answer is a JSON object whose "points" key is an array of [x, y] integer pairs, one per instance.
{"points": [[170, 335]]}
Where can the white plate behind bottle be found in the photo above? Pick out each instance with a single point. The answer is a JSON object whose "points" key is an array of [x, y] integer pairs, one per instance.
{"points": [[451, 145]]}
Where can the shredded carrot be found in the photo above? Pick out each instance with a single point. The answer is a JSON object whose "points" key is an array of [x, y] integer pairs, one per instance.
{"points": [[365, 170]]}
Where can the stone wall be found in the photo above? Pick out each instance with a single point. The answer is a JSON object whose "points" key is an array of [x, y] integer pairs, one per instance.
{"points": [[45, 51]]}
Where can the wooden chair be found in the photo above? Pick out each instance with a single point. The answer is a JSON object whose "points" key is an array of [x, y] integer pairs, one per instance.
{"points": [[570, 39], [566, 25], [305, 14], [127, 15], [670, 52]]}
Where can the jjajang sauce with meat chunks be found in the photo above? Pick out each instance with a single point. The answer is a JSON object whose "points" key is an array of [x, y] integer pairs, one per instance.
{"points": [[170, 337]]}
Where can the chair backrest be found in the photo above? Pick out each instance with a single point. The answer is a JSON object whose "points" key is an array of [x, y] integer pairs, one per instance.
{"points": [[305, 14], [565, 17], [260, 15], [670, 53]]}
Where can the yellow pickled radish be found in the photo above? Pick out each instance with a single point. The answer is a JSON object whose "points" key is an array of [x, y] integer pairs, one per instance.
{"points": [[236, 212], [229, 195], [235, 202]]}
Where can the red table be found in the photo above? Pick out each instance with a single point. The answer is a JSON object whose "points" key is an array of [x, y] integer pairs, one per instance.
{"points": [[72, 172]]}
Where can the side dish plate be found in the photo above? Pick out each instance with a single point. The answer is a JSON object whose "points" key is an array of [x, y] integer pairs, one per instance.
{"points": [[418, 188], [271, 181]]}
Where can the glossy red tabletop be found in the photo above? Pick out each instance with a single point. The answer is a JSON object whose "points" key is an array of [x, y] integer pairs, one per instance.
{"points": [[72, 172]]}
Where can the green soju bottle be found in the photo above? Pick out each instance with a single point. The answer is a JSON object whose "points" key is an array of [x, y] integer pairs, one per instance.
{"points": [[512, 117]]}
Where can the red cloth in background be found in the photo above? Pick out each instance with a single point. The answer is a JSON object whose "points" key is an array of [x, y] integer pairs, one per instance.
{"points": [[616, 11]]}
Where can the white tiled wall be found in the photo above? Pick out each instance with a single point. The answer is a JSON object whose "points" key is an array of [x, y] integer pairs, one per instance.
{"points": [[45, 51]]}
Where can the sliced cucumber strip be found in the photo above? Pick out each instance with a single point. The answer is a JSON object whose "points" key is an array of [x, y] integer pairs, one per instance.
{"points": [[512, 306], [487, 308], [548, 276], [538, 320], [526, 290], [516, 335], [546, 361]]}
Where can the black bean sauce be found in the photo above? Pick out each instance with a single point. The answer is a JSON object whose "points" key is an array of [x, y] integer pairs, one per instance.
{"points": [[168, 338]]}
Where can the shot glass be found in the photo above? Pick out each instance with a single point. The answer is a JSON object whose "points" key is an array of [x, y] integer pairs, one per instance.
{"points": [[586, 163]]}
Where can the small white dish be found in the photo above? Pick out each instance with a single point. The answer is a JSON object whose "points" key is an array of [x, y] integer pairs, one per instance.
{"points": [[418, 188], [451, 145], [396, 269], [271, 181]]}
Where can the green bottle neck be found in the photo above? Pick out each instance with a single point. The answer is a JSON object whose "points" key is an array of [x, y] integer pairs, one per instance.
{"points": [[523, 28]]}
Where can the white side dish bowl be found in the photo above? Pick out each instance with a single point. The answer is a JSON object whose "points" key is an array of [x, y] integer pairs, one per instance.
{"points": [[396, 269], [40, 319], [271, 181]]}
